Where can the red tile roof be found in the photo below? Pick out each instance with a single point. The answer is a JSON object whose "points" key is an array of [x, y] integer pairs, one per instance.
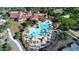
{"points": [[14, 14], [55, 25], [25, 16]]}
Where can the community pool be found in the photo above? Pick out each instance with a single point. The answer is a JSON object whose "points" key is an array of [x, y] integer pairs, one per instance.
{"points": [[43, 29]]}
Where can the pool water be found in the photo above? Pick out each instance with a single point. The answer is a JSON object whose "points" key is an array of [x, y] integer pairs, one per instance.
{"points": [[43, 29]]}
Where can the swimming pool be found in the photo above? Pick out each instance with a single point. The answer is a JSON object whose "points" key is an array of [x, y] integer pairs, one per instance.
{"points": [[43, 29]]}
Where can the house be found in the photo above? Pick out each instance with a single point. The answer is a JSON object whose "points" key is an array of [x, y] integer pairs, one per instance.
{"points": [[22, 16], [14, 14], [39, 15]]}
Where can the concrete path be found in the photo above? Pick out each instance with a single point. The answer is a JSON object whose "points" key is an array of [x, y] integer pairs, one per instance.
{"points": [[15, 41]]}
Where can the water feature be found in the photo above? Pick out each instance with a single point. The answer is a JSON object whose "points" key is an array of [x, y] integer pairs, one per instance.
{"points": [[43, 29]]}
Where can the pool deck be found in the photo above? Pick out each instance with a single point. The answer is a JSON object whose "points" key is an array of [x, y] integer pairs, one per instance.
{"points": [[36, 34]]}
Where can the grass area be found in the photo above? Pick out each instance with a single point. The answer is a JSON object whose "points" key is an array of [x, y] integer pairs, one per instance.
{"points": [[14, 26]]}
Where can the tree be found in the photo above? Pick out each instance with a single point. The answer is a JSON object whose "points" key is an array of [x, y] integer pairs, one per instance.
{"points": [[63, 36], [6, 47], [17, 35], [63, 27], [34, 21], [5, 26], [28, 23], [43, 10], [75, 27], [68, 22], [24, 25], [42, 19]]}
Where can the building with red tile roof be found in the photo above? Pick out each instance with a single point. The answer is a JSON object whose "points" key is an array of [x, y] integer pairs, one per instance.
{"points": [[27, 15], [14, 14], [56, 25]]}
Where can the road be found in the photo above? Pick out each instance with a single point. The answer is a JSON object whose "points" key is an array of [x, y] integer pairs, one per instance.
{"points": [[71, 34], [15, 41]]}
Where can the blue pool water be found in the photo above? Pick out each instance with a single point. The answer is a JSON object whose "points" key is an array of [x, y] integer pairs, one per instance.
{"points": [[42, 30]]}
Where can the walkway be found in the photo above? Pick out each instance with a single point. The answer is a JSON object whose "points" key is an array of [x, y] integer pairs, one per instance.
{"points": [[15, 41]]}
